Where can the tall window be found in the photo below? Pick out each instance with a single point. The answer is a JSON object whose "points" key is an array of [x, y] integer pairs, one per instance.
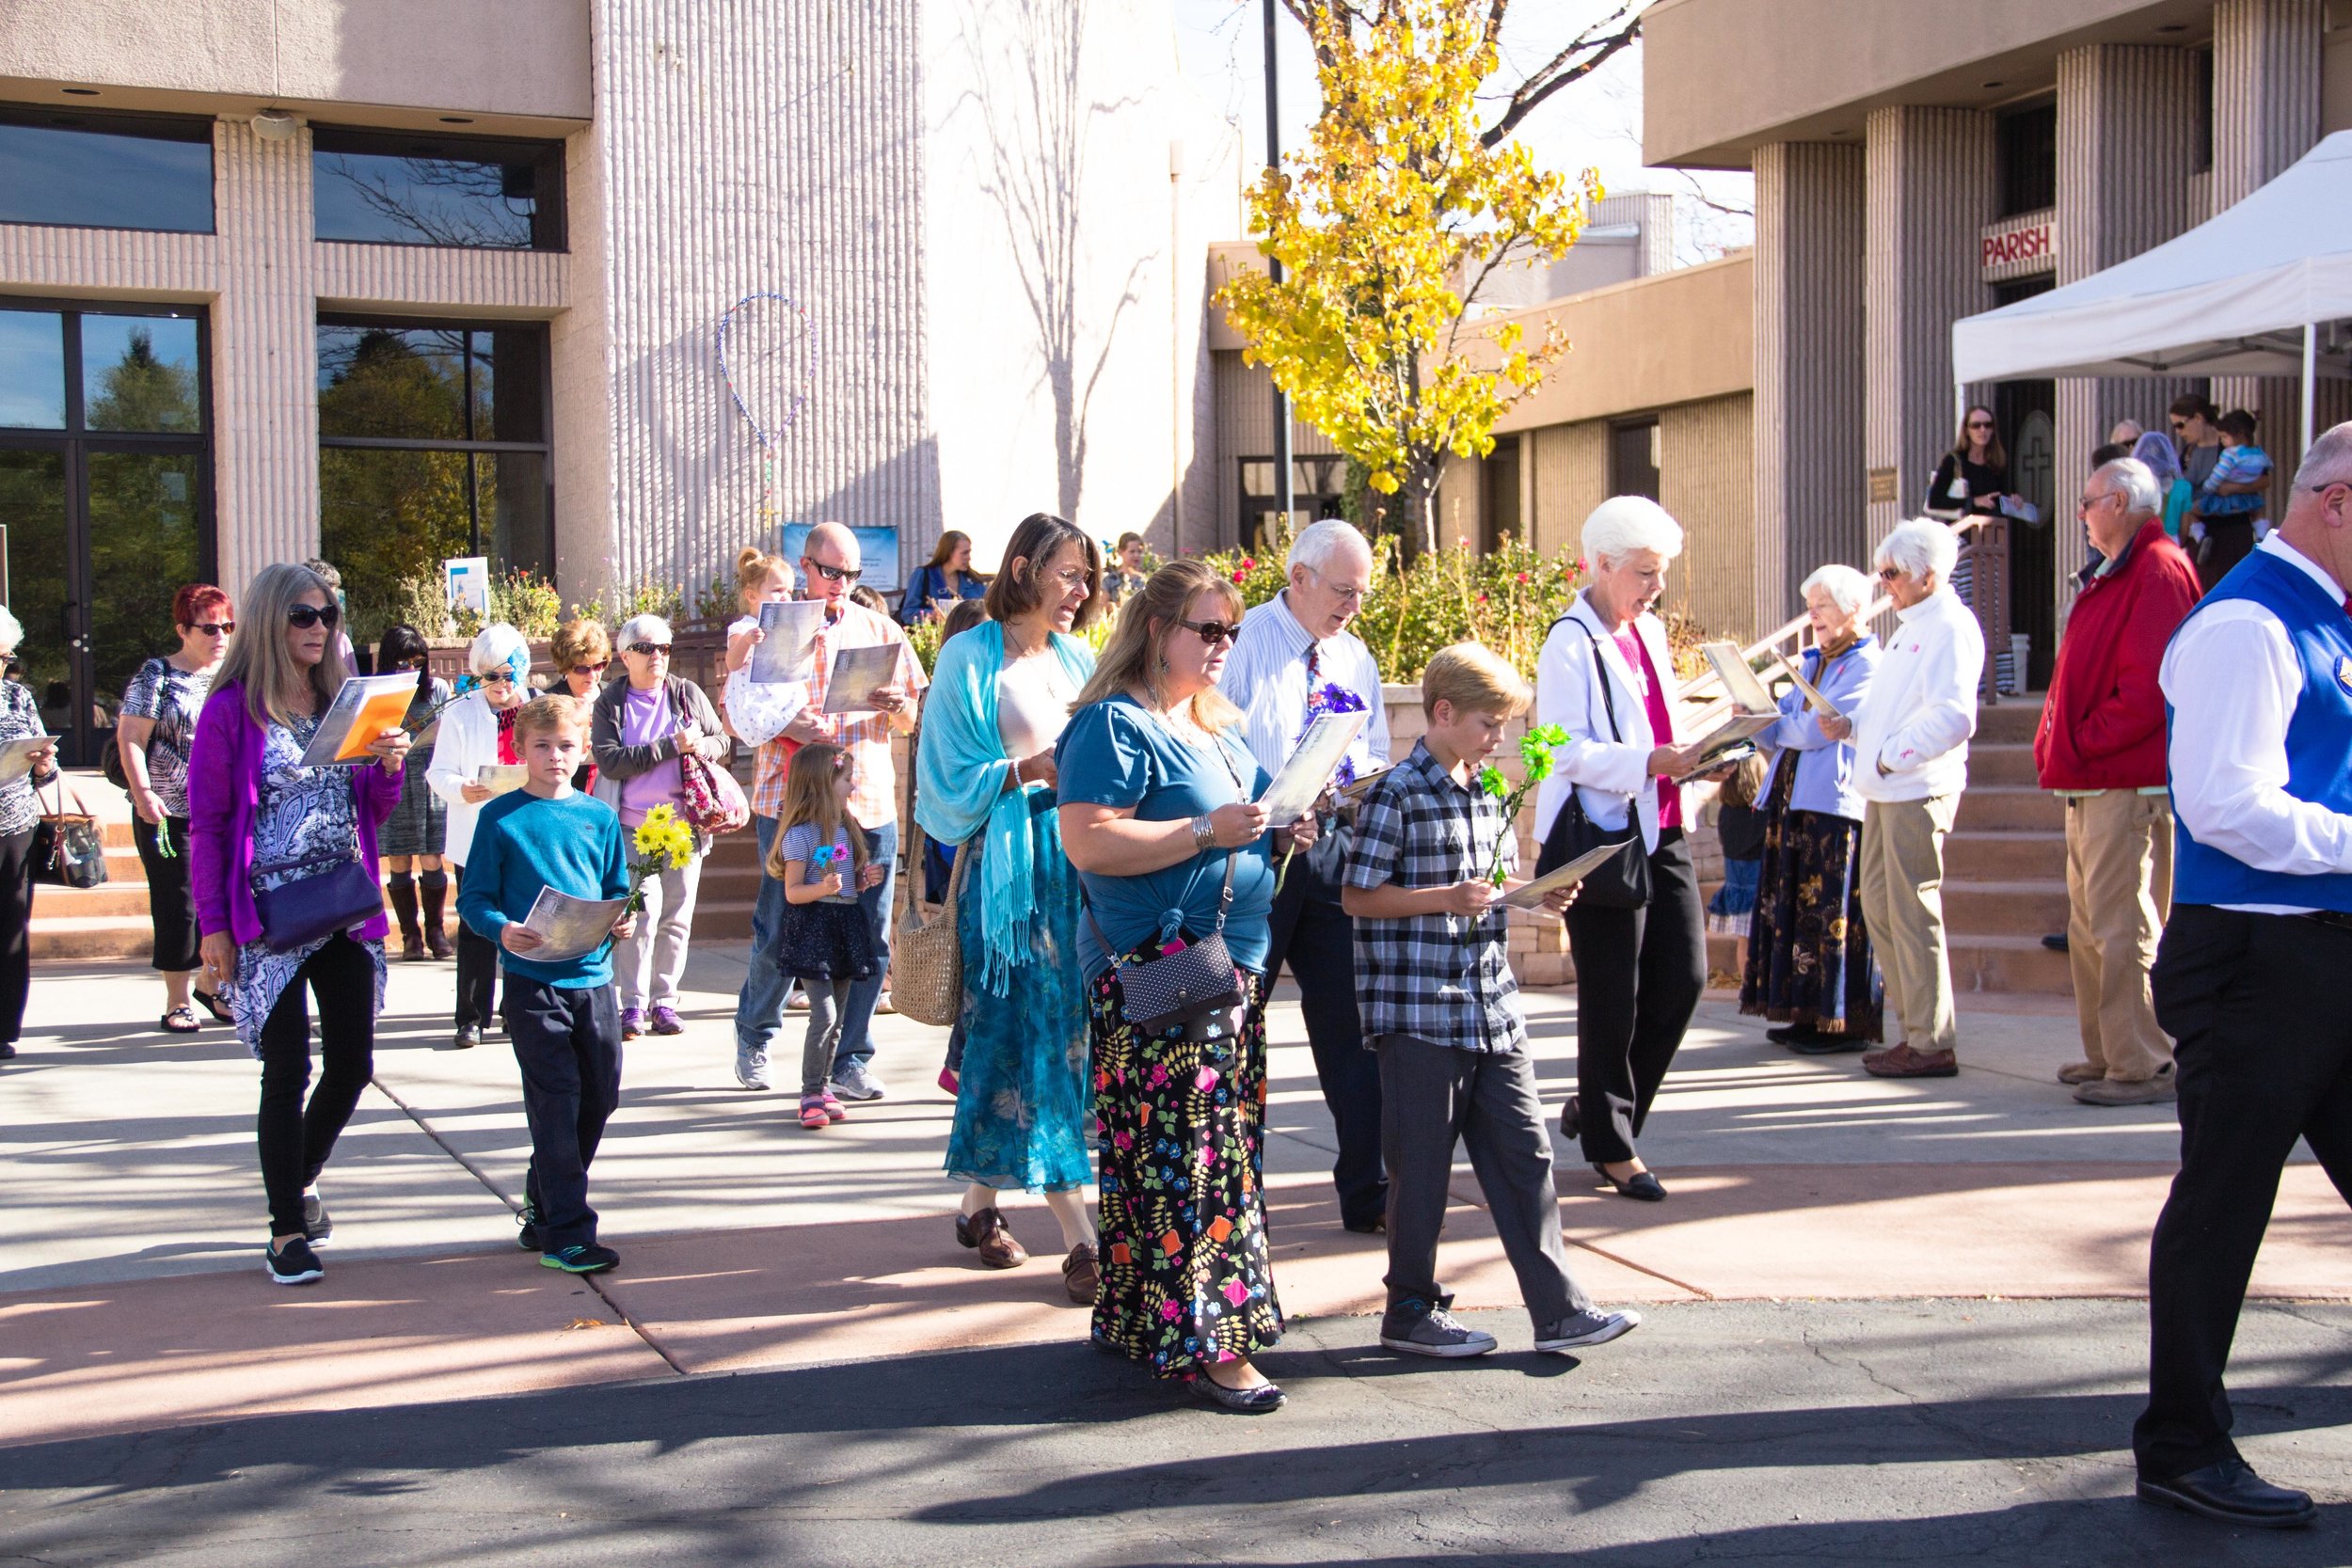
{"points": [[1633, 458], [1318, 485], [2025, 142], [105, 170], [402, 189], [106, 496], [433, 444]]}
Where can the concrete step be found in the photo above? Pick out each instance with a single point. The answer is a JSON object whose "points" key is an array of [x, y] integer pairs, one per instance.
{"points": [[2001, 765], [2010, 963], [90, 937], [1998, 806], [2003, 909], [2004, 855], [110, 900], [2013, 720]]}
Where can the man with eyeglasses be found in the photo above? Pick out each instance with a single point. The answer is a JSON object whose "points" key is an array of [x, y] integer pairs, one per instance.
{"points": [[2258, 688], [830, 568], [1293, 654]]}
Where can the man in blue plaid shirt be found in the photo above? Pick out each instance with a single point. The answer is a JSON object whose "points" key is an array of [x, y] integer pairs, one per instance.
{"points": [[1430, 863]]}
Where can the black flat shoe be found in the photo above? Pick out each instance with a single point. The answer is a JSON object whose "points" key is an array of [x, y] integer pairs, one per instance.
{"points": [[1829, 1045], [210, 1001], [1793, 1034], [1572, 1121], [1263, 1400], [1642, 1185], [2230, 1491]]}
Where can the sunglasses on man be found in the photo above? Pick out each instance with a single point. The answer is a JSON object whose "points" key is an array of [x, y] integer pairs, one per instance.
{"points": [[309, 615], [833, 573]]}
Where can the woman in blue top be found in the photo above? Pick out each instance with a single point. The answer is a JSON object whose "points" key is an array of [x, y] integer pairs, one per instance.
{"points": [[1809, 967], [1157, 802], [947, 576], [1000, 696]]}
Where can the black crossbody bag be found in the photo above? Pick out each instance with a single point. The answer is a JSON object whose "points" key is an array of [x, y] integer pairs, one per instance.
{"points": [[1196, 986], [1623, 881]]}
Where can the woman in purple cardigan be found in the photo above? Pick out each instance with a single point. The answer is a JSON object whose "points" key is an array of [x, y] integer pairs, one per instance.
{"points": [[258, 821]]}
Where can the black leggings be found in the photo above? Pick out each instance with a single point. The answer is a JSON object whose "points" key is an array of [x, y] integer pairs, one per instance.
{"points": [[296, 1139], [477, 971], [16, 922], [170, 904], [1639, 975]]}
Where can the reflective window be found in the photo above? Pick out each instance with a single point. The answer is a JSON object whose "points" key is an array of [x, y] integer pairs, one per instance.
{"points": [[32, 370], [105, 171], [139, 373], [400, 189]]}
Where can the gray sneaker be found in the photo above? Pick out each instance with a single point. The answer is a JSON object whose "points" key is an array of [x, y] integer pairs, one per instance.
{"points": [[751, 1071], [1417, 1327], [1586, 1328], [854, 1083]]}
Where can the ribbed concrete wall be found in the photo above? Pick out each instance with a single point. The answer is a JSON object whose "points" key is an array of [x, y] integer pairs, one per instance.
{"points": [[2127, 140], [533, 284], [750, 147], [2265, 114], [1571, 477], [1809, 469], [1931, 188], [1706, 478]]}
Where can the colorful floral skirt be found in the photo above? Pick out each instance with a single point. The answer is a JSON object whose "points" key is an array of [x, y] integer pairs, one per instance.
{"points": [[1185, 1274], [1808, 952]]}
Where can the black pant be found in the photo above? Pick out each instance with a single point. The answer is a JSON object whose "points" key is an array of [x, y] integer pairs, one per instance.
{"points": [[568, 1045], [2227, 542], [170, 904], [16, 929], [477, 972], [296, 1139], [1639, 975], [1319, 942], [2264, 1056]]}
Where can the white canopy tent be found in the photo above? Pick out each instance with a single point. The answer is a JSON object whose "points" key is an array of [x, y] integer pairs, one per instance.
{"points": [[2257, 290]]}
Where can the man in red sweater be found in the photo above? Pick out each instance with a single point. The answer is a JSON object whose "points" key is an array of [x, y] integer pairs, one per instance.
{"points": [[2101, 749]]}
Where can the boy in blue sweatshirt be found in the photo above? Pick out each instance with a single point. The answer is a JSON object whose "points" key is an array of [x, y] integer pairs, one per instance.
{"points": [[560, 1014]]}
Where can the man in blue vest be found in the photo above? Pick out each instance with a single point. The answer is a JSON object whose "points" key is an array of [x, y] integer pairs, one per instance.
{"points": [[2258, 694]]}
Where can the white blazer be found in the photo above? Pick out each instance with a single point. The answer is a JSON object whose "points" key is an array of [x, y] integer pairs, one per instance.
{"points": [[467, 740], [1612, 775]]}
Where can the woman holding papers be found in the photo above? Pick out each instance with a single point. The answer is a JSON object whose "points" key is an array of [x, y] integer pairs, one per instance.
{"points": [[1001, 694], [1809, 964], [412, 840], [641, 731], [478, 731], [20, 815], [276, 849], [1605, 676]]}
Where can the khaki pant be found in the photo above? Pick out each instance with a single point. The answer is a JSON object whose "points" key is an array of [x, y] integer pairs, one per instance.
{"points": [[1902, 903], [2118, 894]]}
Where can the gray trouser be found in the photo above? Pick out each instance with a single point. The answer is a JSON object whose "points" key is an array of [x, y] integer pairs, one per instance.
{"points": [[1430, 1098], [827, 1001]]}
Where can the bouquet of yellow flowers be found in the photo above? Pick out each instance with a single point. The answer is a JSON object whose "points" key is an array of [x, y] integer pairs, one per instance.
{"points": [[663, 842]]}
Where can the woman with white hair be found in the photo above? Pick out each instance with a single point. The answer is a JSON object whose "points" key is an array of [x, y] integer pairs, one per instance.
{"points": [[640, 732], [1910, 734], [1809, 965], [478, 731], [20, 813], [1605, 676]]}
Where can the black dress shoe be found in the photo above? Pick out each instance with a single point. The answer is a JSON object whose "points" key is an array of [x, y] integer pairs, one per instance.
{"points": [[1643, 1185], [1376, 1226], [1829, 1045], [2055, 941], [1791, 1034], [1263, 1400], [1572, 1121], [2230, 1491]]}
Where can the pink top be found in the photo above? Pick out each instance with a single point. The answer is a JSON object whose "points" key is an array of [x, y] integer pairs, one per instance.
{"points": [[1661, 722]]}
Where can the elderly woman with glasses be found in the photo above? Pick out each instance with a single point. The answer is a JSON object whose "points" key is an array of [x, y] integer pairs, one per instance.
{"points": [[478, 734], [152, 735], [582, 652], [1810, 969], [641, 731]]}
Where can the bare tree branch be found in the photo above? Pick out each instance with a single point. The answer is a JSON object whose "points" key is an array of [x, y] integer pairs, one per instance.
{"points": [[1583, 54]]}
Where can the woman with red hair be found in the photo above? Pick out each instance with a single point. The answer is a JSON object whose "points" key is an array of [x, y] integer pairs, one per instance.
{"points": [[153, 734]]}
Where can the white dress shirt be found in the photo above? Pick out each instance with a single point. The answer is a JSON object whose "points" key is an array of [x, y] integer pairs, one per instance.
{"points": [[1265, 676], [1910, 732], [1612, 773], [2233, 678]]}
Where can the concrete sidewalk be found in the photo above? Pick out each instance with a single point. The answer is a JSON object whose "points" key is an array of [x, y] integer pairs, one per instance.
{"points": [[131, 1289]]}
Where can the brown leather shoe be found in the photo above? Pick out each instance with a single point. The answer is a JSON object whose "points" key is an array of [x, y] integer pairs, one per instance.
{"points": [[2081, 1072], [1904, 1062], [1081, 1274], [986, 1233]]}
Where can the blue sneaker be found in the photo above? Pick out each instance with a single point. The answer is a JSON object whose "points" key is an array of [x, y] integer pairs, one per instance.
{"points": [[590, 1258]]}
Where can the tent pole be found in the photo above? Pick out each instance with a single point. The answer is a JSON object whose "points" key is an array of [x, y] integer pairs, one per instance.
{"points": [[2311, 380]]}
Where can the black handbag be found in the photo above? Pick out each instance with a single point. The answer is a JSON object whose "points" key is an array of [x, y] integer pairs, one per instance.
{"points": [[338, 893], [1195, 985], [1621, 883], [69, 848]]}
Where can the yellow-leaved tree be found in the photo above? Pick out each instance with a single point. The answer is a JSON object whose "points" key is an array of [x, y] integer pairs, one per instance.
{"points": [[1387, 225]]}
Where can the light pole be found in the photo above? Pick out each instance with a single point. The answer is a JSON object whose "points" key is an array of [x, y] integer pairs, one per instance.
{"points": [[1274, 269]]}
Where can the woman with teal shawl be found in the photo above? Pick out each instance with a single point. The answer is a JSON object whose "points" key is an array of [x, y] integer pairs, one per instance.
{"points": [[999, 697]]}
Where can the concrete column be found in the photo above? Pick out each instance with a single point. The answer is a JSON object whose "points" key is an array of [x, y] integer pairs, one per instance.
{"points": [[2127, 130], [1929, 174], [2265, 114], [1809, 469], [265, 411]]}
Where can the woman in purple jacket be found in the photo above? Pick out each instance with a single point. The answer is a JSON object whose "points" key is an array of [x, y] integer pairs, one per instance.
{"points": [[259, 819]]}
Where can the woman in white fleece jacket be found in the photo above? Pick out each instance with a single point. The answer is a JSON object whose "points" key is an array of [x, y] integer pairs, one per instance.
{"points": [[1911, 762]]}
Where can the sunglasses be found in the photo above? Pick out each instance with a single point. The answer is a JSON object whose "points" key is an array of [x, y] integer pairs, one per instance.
{"points": [[213, 628], [1212, 632], [834, 574], [1889, 574], [501, 677], [309, 615], [650, 650], [596, 668]]}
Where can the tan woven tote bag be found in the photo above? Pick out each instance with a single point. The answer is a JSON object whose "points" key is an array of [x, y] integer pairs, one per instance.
{"points": [[926, 956]]}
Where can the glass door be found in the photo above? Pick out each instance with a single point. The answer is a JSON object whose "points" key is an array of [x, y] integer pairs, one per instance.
{"points": [[105, 498]]}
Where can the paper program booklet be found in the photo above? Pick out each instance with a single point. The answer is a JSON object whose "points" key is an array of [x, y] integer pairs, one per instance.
{"points": [[572, 927], [787, 650], [857, 675], [1531, 895], [1294, 790], [365, 707]]}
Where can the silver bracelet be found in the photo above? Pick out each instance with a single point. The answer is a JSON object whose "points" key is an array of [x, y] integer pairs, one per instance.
{"points": [[1203, 833], [1016, 774]]}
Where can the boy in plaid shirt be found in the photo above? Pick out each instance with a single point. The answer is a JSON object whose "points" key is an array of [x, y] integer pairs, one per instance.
{"points": [[1441, 1009]]}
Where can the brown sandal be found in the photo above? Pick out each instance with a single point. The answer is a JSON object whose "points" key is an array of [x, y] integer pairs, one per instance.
{"points": [[986, 1232], [1081, 1274]]}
